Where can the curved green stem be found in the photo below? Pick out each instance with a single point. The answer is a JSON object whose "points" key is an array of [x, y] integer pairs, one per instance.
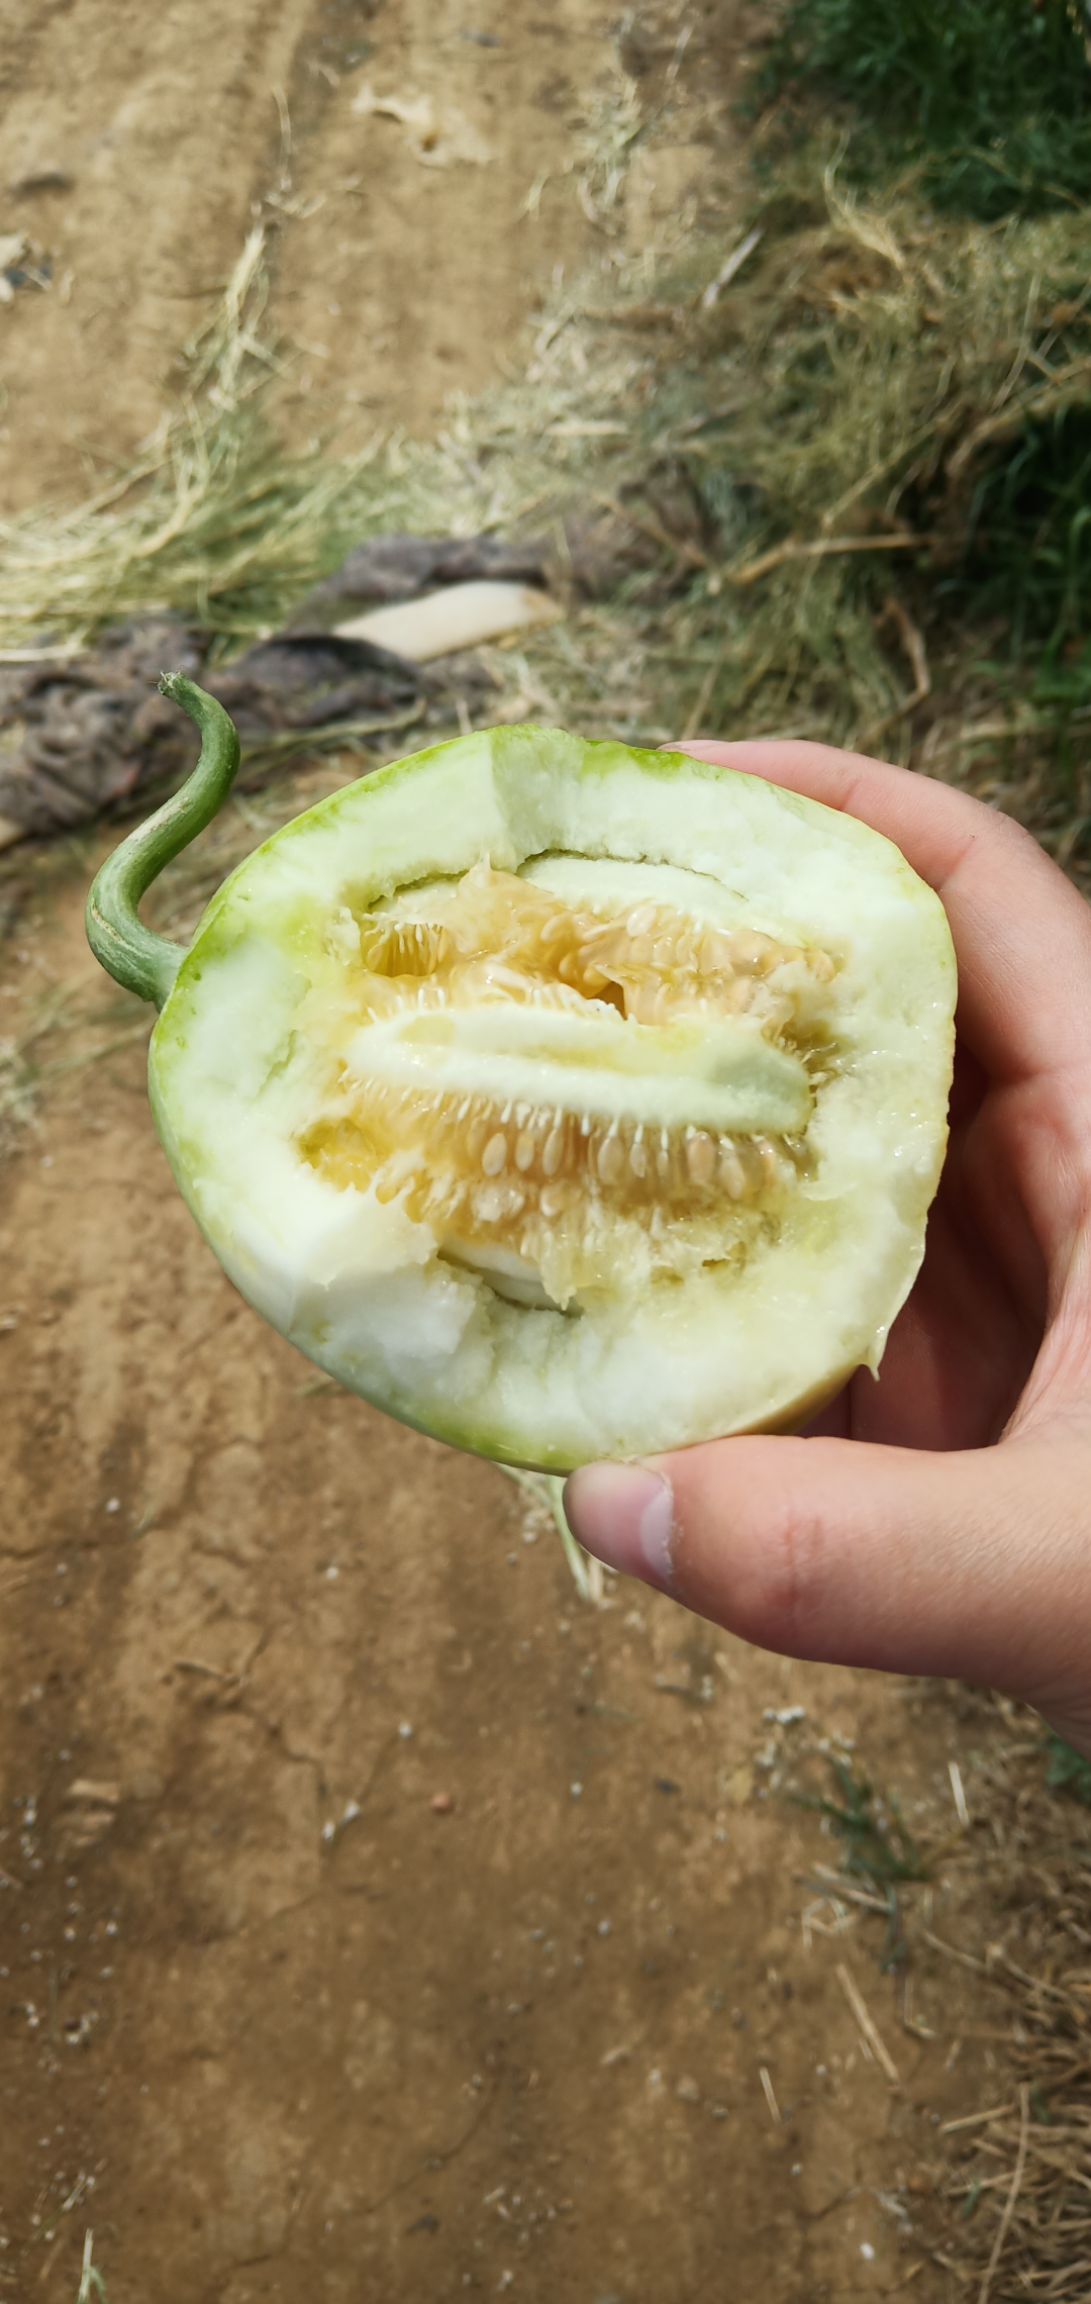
{"points": [[145, 963]]}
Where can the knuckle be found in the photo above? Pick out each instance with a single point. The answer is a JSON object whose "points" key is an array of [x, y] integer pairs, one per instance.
{"points": [[754, 1555], [794, 1578]]}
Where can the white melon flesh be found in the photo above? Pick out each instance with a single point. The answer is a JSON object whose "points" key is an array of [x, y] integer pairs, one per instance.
{"points": [[566, 1100]]}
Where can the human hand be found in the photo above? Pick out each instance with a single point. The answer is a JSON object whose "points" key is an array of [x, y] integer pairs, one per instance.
{"points": [[938, 1521]]}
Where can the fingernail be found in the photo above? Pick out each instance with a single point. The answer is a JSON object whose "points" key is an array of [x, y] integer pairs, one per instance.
{"points": [[624, 1514]]}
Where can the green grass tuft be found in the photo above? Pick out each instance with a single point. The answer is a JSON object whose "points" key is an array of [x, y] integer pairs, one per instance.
{"points": [[988, 101], [877, 1844], [1068, 1771], [877, 1847]]}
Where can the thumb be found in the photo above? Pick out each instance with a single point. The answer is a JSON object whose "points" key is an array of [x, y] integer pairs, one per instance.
{"points": [[843, 1553]]}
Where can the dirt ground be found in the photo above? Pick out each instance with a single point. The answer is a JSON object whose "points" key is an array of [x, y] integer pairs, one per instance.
{"points": [[377, 1920]]}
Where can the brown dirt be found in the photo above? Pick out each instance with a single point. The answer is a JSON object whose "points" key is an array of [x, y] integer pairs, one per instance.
{"points": [[400, 274], [376, 1919]]}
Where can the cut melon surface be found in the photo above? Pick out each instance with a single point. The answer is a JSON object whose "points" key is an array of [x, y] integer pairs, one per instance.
{"points": [[567, 1100]]}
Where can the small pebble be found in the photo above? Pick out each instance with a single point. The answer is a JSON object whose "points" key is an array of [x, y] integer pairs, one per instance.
{"points": [[442, 1804]]}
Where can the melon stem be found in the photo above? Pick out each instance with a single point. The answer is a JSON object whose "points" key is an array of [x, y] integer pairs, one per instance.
{"points": [[143, 962]]}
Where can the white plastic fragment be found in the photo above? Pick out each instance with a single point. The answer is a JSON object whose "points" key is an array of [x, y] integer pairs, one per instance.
{"points": [[457, 616]]}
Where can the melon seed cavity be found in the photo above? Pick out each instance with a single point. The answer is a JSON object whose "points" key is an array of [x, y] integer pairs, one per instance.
{"points": [[561, 1093]]}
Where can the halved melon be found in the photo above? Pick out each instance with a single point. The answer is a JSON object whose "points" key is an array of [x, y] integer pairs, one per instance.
{"points": [[567, 1100]]}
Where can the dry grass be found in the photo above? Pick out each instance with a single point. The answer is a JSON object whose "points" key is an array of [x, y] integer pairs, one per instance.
{"points": [[1007, 2211], [811, 466], [211, 521], [92, 2288], [219, 522], [879, 376], [1019, 2176]]}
